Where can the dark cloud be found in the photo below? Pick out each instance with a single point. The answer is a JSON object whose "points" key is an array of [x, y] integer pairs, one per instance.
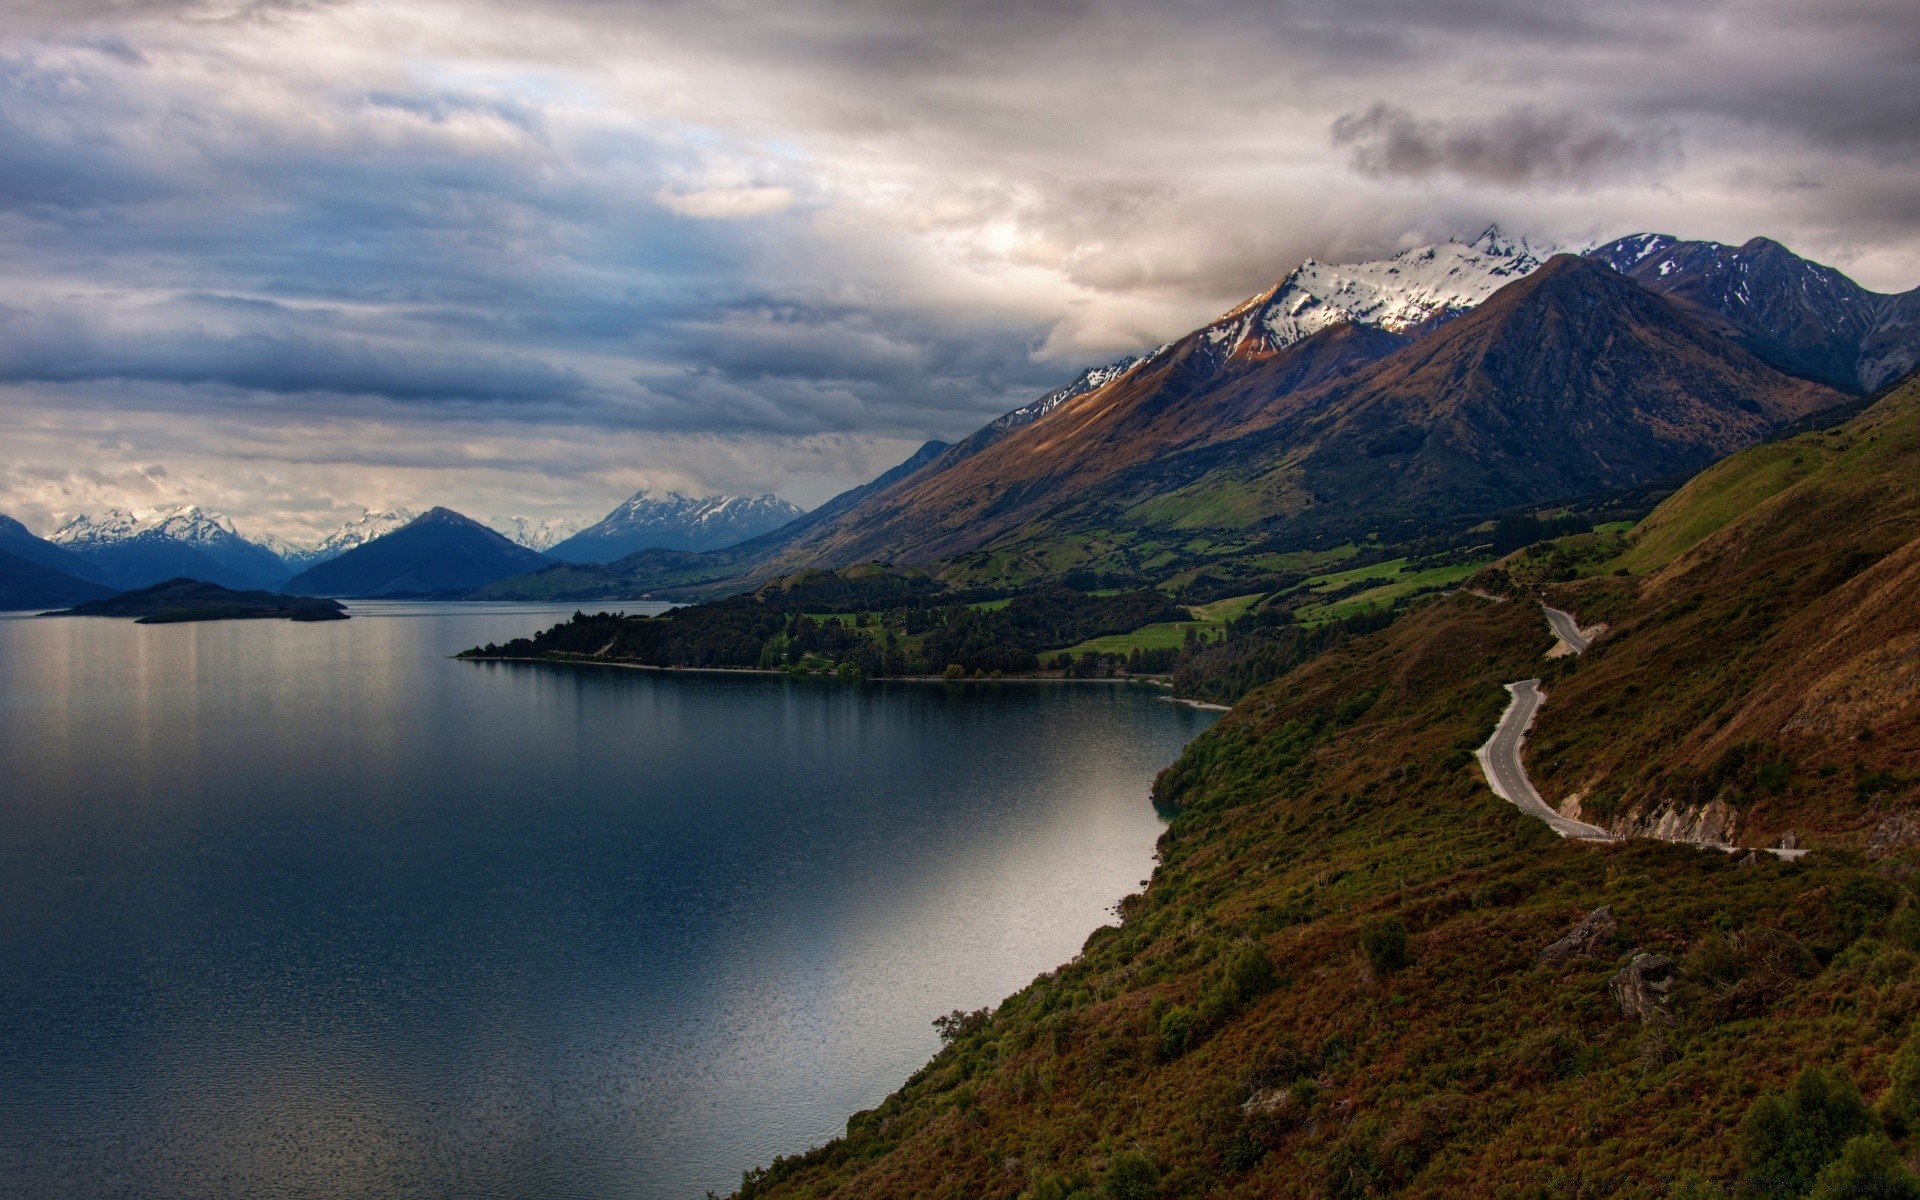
{"points": [[1522, 147], [751, 225]]}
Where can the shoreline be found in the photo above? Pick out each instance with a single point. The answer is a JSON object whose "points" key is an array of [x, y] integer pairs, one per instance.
{"points": [[1152, 680]]}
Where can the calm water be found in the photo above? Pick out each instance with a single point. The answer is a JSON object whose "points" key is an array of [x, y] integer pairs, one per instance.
{"points": [[311, 910]]}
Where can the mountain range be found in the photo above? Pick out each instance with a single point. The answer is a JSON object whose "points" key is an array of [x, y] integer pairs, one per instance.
{"points": [[438, 553], [1369, 402], [1383, 400], [675, 522]]}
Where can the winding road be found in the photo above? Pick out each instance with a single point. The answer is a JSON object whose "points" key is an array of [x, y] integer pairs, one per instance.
{"points": [[1566, 629], [1500, 761]]}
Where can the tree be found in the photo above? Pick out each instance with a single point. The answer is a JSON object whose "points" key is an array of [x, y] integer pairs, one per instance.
{"points": [[1867, 1169], [1903, 1099], [1786, 1139]]}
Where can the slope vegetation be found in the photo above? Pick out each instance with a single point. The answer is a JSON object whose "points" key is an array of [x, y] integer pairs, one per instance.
{"points": [[1771, 603], [1357, 973]]}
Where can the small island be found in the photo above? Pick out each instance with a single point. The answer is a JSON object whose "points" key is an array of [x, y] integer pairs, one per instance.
{"points": [[179, 600]]}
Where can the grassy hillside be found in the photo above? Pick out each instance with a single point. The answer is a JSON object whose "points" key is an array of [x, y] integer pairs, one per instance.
{"points": [[1337, 983], [1761, 672]]}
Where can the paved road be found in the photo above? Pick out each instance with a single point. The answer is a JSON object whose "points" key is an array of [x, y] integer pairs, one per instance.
{"points": [[1500, 761], [1566, 629]]}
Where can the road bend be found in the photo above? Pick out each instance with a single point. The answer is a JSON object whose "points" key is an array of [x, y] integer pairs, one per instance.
{"points": [[1500, 762], [1566, 629]]}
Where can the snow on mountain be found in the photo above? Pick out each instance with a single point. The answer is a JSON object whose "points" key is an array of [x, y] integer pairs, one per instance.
{"points": [[363, 529], [676, 522], [1396, 294], [187, 523], [1091, 378], [138, 547], [541, 535]]}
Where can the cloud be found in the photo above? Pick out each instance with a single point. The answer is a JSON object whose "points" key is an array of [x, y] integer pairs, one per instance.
{"points": [[1522, 147], [726, 203], [716, 235]]}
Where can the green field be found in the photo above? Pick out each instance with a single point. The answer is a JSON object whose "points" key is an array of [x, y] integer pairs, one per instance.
{"points": [[1401, 586], [1168, 634]]}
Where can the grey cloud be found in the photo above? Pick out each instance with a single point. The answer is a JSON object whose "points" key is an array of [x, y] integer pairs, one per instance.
{"points": [[1521, 147]]}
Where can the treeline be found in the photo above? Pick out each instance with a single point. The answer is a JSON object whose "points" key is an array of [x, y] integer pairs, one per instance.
{"points": [[1259, 648], [876, 623]]}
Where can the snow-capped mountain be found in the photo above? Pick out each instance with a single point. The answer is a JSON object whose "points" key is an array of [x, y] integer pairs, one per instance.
{"points": [[541, 535], [676, 522], [1800, 315], [1398, 294], [139, 547], [357, 532]]}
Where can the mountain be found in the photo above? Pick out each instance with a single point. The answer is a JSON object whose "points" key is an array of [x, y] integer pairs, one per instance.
{"points": [[17, 540], [675, 522], [1799, 315], [541, 535], [1570, 379], [1356, 972], [137, 548], [357, 532], [25, 584], [440, 551]]}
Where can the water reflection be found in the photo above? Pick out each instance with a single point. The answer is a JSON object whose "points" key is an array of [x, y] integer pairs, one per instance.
{"points": [[313, 910]]}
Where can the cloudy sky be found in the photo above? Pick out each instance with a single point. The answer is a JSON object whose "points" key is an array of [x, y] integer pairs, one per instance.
{"points": [[293, 258]]}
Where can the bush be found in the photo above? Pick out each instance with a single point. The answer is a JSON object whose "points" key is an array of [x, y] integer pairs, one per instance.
{"points": [[1691, 1185], [1130, 1176], [1903, 1098], [1785, 1140], [1867, 1169], [1251, 974], [1384, 942], [1176, 1027]]}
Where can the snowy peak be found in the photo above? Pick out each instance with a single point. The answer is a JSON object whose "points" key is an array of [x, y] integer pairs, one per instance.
{"points": [[675, 521], [363, 529], [1397, 294], [188, 523], [540, 534]]}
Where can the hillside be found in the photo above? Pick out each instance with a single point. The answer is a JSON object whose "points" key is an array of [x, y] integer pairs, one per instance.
{"points": [[440, 551], [1355, 972], [1775, 594], [29, 585]]}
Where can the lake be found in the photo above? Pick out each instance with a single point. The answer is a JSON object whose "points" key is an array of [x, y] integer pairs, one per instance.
{"points": [[313, 910]]}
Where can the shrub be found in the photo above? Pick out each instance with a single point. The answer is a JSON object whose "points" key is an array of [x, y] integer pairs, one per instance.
{"points": [[1176, 1026], [1251, 974], [1130, 1176], [1867, 1169], [1903, 1098], [1786, 1139], [1384, 942], [1691, 1185]]}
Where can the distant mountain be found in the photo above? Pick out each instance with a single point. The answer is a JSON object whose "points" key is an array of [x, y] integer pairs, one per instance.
{"points": [[1797, 314], [675, 522], [137, 548], [29, 585], [357, 532], [1568, 380], [17, 540], [441, 551], [682, 572], [541, 535]]}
